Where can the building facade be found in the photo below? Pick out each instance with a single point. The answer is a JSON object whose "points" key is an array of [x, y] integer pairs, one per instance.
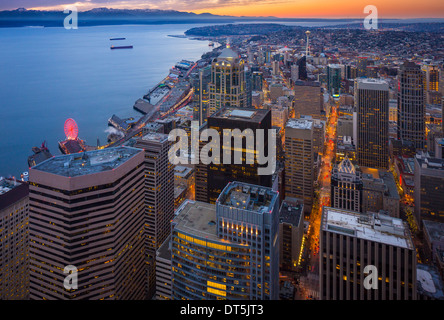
{"points": [[14, 240], [227, 85], [291, 234], [372, 106], [351, 241], [228, 250], [429, 188], [87, 212], [218, 175], [346, 187], [411, 105], [334, 80], [308, 99], [299, 161], [159, 198]]}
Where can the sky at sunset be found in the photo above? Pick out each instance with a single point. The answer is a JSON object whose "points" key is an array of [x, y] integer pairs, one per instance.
{"points": [[277, 8]]}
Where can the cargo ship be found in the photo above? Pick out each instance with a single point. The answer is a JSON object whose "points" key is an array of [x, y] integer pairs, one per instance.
{"points": [[113, 39], [121, 47]]}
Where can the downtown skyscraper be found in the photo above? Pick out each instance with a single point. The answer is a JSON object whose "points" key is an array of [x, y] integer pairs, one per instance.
{"points": [[14, 240], [372, 106], [411, 105], [334, 79], [299, 161], [159, 198], [229, 250], [228, 85], [200, 81], [212, 178], [350, 241], [86, 210]]}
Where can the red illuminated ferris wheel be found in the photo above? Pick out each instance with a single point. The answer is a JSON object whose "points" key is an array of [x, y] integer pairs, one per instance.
{"points": [[71, 129]]}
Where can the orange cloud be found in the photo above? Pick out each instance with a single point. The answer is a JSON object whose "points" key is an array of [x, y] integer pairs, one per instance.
{"points": [[277, 8]]}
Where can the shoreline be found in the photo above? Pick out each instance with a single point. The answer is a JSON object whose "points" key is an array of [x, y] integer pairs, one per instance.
{"points": [[10, 169]]}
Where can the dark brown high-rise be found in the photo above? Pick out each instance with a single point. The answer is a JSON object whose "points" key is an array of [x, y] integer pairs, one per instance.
{"points": [[372, 106], [411, 105]]}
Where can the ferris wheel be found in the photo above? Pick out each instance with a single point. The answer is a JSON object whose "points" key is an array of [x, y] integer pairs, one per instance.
{"points": [[71, 129]]}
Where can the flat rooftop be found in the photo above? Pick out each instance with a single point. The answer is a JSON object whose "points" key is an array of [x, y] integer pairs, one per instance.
{"points": [[429, 282], [7, 185], [243, 114], [178, 191], [164, 250], [291, 211], [182, 171], [90, 162], [371, 226], [301, 83], [334, 66], [434, 229], [372, 84], [302, 124], [197, 218], [430, 163], [11, 191], [154, 136], [248, 197]]}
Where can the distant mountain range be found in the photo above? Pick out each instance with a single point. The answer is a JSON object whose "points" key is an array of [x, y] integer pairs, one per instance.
{"points": [[105, 16]]}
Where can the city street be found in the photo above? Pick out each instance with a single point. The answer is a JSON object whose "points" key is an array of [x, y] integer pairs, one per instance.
{"points": [[310, 281]]}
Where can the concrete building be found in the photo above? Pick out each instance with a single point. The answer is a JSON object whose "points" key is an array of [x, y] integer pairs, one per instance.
{"points": [[294, 71], [431, 80], [434, 237], [345, 148], [429, 283], [439, 148], [345, 126], [308, 99], [159, 198], [87, 211], [279, 115], [276, 91], [379, 192], [350, 241], [318, 136], [163, 271], [429, 188], [184, 177], [362, 64], [299, 161], [14, 240]]}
